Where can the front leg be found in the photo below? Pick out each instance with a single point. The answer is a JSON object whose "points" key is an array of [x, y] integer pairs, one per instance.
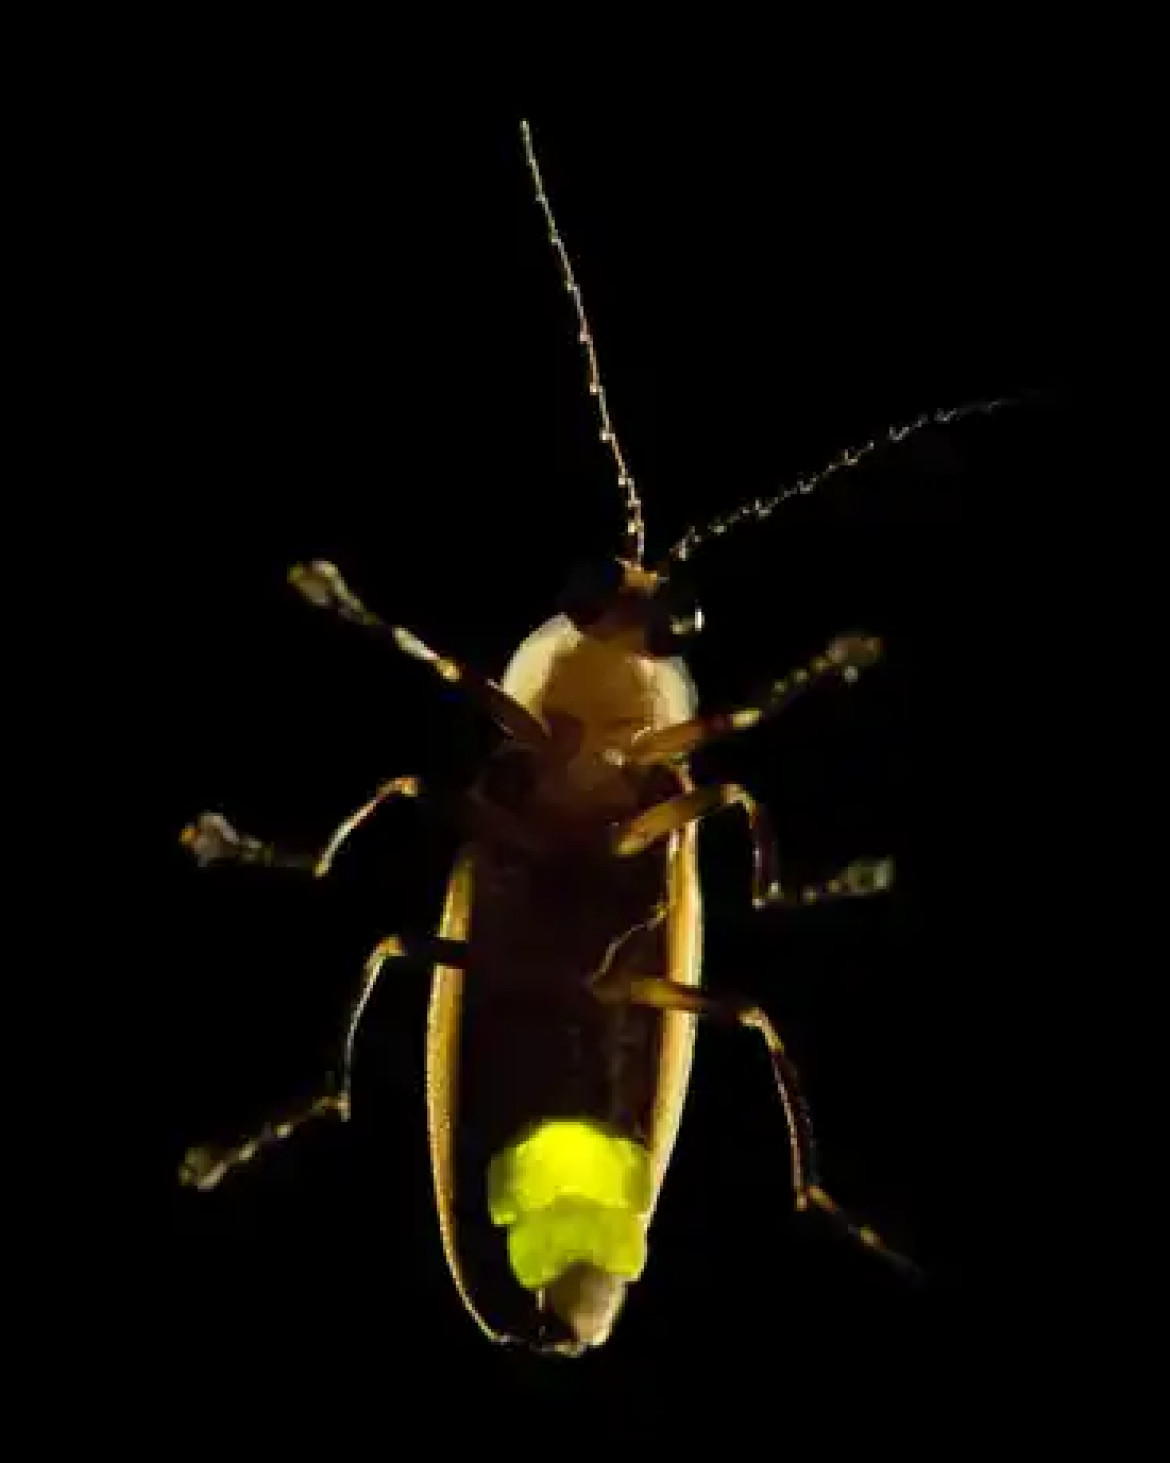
{"points": [[322, 585], [860, 878], [844, 660]]}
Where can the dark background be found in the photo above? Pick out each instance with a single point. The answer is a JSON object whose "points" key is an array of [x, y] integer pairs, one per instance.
{"points": [[351, 343]]}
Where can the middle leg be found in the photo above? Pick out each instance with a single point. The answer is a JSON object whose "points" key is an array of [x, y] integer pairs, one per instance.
{"points": [[860, 878], [212, 839]]}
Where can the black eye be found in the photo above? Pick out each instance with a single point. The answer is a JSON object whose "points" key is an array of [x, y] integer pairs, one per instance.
{"points": [[674, 618], [591, 588]]}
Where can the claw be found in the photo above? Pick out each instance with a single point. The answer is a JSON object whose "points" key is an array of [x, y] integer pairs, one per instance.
{"points": [[203, 1167], [869, 876], [322, 585], [854, 653], [212, 839]]}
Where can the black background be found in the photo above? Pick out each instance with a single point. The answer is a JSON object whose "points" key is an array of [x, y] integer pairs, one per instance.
{"points": [[351, 342]]}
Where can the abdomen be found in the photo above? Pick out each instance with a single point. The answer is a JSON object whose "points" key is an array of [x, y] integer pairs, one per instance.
{"points": [[519, 1038]]}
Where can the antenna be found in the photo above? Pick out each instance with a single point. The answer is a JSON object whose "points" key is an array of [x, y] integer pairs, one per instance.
{"points": [[760, 508], [635, 535]]}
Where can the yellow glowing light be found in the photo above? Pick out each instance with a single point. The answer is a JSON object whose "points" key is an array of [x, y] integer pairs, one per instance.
{"points": [[570, 1191], [543, 1245]]}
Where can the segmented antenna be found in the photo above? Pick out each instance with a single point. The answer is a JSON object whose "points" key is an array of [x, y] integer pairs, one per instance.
{"points": [[635, 539], [761, 508]]}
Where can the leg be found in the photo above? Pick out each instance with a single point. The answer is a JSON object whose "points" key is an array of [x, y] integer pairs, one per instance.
{"points": [[205, 1165], [322, 585], [667, 995], [844, 660], [860, 878], [212, 839]]}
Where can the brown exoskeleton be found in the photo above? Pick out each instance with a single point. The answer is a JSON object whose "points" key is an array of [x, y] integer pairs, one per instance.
{"points": [[567, 980]]}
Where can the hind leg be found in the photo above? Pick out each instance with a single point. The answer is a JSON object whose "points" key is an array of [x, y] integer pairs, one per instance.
{"points": [[617, 986], [205, 1165]]}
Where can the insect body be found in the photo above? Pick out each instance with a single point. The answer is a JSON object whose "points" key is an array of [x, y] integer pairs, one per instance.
{"points": [[567, 986], [555, 919]]}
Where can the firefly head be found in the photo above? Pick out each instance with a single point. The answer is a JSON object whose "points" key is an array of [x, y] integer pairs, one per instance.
{"points": [[620, 598]]}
